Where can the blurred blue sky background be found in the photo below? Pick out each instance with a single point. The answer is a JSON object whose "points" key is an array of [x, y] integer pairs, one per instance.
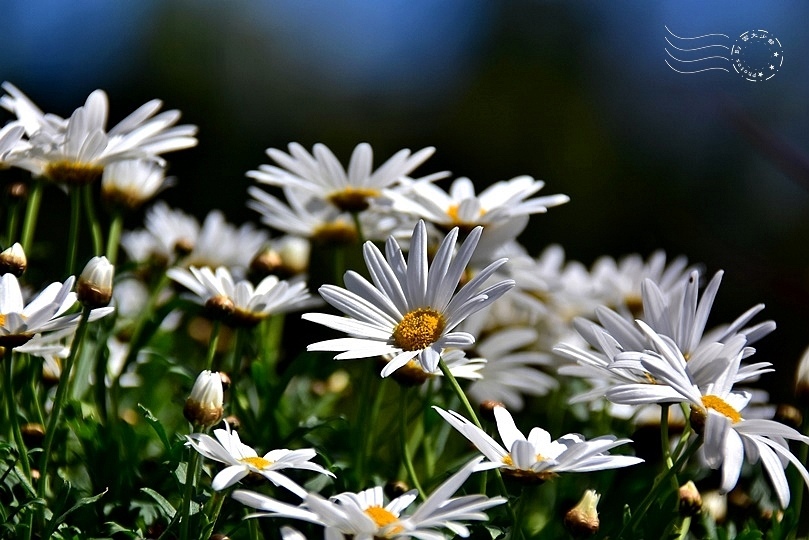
{"points": [[574, 92]]}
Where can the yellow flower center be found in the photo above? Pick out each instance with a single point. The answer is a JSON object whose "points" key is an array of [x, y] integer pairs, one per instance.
{"points": [[352, 199], [383, 519], [419, 329], [2, 319], [526, 476], [74, 172], [721, 406], [257, 462], [380, 516], [336, 232], [452, 212]]}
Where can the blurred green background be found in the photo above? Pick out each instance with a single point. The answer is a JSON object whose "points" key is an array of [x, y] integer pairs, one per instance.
{"points": [[573, 92]]}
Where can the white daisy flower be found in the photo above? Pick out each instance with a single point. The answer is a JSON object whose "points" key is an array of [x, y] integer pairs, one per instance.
{"points": [[242, 303], [617, 284], [410, 310], [131, 182], [304, 216], [461, 207], [242, 460], [365, 516], [19, 322], [459, 365], [322, 175], [28, 114], [12, 144], [511, 371], [729, 437], [76, 150], [167, 233], [678, 315], [502, 209], [220, 243], [538, 458], [174, 237]]}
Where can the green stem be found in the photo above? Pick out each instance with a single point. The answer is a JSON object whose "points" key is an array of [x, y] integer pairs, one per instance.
{"points": [[31, 214], [652, 496], [273, 331], [408, 461], [95, 226], [684, 528], [471, 412], [114, 236], [58, 403], [212, 345], [355, 216], [13, 219], [191, 473], [140, 326], [666, 443], [362, 427], [73, 235], [796, 486], [237, 352], [217, 501], [11, 409], [453, 382]]}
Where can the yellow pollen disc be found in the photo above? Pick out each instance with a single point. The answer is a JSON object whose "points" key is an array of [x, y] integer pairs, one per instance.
{"points": [[74, 172], [720, 405], [257, 462], [2, 319], [508, 461], [352, 199], [336, 232], [380, 516], [452, 212], [418, 329]]}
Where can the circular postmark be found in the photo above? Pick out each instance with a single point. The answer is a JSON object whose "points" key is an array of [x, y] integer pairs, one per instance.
{"points": [[757, 55]]}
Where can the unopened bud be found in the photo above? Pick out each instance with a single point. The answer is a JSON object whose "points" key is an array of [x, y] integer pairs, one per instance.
{"points": [[802, 378], [789, 415], [32, 434], [690, 499], [219, 307], [715, 505], [486, 409], [395, 488], [582, 519], [13, 261], [204, 406], [94, 288], [18, 191]]}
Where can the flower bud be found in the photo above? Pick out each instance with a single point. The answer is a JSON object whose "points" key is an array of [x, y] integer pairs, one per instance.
{"points": [[395, 488], [690, 499], [94, 288], [582, 519], [204, 407], [486, 409], [13, 261], [802, 378]]}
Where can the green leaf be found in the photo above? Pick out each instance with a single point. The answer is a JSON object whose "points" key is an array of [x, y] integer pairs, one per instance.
{"points": [[84, 501], [161, 501], [156, 426]]}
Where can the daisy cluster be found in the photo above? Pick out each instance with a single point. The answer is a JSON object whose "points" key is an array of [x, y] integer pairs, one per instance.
{"points": [[445, 329]]}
